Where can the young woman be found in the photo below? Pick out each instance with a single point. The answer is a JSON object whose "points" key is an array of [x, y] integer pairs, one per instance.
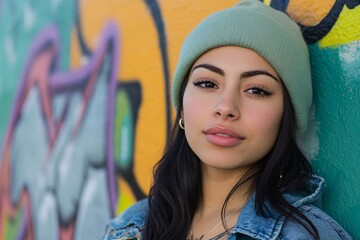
{"points": [[232, 168]]}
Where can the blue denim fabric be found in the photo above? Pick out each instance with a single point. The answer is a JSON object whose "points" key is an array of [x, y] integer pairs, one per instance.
{"points": [[130, 223]]}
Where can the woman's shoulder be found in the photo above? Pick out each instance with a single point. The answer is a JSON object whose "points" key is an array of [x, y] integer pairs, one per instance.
{"points": [[129, 224], [277, 226], [308, 204], [326, 226]]}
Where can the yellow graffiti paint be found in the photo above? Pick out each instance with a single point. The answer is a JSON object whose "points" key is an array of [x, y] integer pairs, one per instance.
{"points": [[267, 2], [345, 30], [309, 12], [140, 60], [125, 198], [181, 17]]}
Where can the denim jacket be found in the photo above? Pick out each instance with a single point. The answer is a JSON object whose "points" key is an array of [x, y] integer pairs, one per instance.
{"points": [[131, 223]]}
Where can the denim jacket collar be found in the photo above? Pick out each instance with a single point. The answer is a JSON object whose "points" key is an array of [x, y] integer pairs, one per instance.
{"points": [[131, 223]]}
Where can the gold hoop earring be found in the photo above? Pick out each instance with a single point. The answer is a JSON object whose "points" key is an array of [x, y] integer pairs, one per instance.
{"points": [[181, 123]]}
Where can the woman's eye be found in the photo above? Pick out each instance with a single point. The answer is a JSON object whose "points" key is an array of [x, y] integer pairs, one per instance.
{"points": [[259, 92], [205, 84]]}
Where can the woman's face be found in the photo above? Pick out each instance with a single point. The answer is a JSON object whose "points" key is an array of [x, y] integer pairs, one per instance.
{"points": [[232, 107]]}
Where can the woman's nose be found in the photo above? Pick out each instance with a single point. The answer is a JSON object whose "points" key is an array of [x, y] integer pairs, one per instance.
{"points": [[227, 107]]}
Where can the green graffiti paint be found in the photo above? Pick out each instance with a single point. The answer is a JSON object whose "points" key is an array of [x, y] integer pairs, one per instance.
{"points": [[13, 225], [124, 132]]}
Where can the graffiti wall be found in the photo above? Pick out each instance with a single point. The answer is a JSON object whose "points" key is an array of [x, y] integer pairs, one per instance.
{"points": [[85, 106]]}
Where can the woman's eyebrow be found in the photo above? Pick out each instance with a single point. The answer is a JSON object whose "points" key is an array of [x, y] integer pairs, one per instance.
{"points": [[211, 68], [247, 74], [257, 72]]}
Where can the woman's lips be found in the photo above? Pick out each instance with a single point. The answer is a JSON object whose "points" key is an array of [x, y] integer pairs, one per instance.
{"points": [[223, 137]]}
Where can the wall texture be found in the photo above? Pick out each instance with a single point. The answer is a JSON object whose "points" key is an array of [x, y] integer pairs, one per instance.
{"points": [[85, 109]]}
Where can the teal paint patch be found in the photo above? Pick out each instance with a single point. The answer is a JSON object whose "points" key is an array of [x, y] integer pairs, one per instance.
{"points": [[336, 84], [21, 21]]}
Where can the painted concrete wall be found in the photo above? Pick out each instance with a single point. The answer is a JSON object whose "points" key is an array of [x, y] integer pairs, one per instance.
{"points": [[85, 109]]}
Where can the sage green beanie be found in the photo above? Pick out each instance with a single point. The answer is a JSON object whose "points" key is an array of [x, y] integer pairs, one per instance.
{"points": [[270, 33]]}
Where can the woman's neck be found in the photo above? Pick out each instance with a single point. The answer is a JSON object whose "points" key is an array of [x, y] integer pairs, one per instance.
{"points": [[216, 185]]}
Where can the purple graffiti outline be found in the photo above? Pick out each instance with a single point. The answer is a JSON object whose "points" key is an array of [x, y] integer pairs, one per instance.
{"points": [[60, 82]]}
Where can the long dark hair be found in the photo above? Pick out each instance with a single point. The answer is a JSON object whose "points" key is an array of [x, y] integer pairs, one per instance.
{"points": [[177, 189]]}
